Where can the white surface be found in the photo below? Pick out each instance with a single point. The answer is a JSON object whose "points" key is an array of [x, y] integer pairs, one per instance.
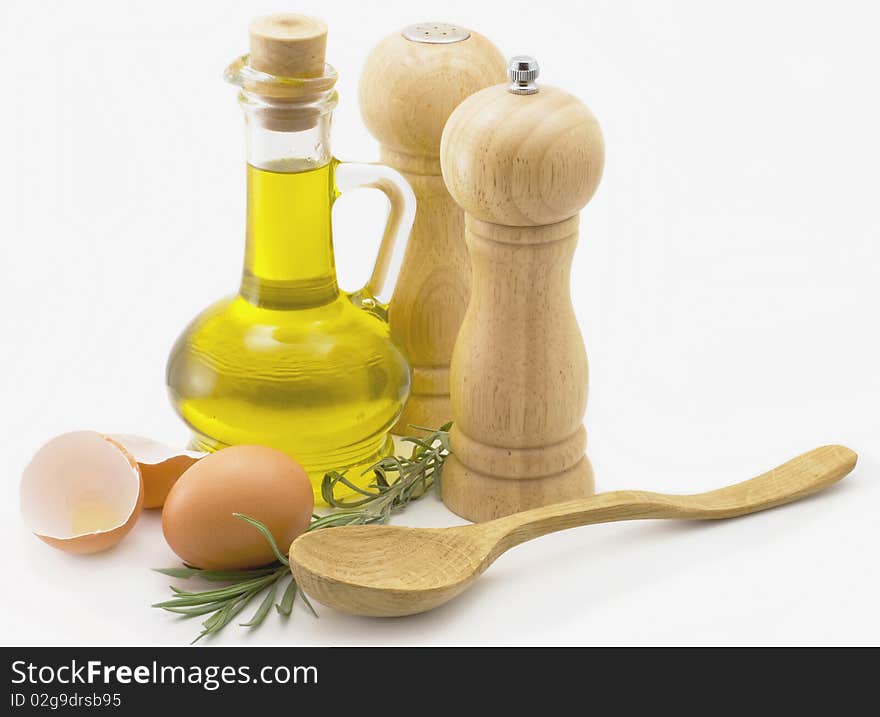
{"points": [[726, 284]]}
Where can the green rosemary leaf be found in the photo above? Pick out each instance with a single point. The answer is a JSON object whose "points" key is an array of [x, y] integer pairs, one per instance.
{"points": [[191, 601], [381, 479], [425, 446], [392, 463], [264, 608], [333, 520], [199, 637], [238, 607], [436, 479], [233, 589], [178, 572], [224, 576], [285, 607], [185, 599], [335, 478], [222, 618], [196, 610], [212, 622], [327, 486], [267, 534], [308, 603]]}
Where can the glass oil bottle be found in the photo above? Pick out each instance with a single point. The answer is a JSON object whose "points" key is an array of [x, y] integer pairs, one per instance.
{"points": [[292, 361]]}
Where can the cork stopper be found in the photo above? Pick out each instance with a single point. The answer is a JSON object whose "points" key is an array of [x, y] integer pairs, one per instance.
{"points": [[286, 85], [288, 45]]}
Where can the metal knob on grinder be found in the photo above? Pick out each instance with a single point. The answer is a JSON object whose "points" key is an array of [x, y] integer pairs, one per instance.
{"points": [[523, 71]]}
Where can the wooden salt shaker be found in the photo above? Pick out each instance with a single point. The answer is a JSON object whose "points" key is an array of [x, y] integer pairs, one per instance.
{"points": [[410, 84], [521, 160]]}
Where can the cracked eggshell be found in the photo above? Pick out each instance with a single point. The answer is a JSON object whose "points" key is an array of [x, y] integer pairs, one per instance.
{"points": [[82, 492], [160, 465]]}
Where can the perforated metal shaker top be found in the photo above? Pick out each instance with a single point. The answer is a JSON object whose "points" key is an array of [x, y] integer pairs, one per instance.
{"points": [[435, 33]]}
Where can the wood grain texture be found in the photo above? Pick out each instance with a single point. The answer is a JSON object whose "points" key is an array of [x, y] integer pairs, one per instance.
{"points": [[407, 92], [521, 166], [288, 45], [387, 571], [285, 72], [522, 160]]}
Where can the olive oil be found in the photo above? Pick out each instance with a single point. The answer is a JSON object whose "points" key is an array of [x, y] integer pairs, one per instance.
{"points": [[289, 251], [291, 361]]}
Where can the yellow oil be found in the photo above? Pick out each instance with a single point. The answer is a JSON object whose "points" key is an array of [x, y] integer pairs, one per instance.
{"points": [[291, 361]]}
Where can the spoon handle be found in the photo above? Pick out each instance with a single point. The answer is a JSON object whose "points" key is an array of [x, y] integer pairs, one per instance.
{"points": [[798, 478]]}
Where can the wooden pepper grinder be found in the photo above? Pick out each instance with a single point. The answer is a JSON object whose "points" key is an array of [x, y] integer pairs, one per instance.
{"points": [[410, 84], [521, 160]]}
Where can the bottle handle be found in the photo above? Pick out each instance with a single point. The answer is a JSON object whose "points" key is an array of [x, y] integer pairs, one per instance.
{"points": [[350, 175]]}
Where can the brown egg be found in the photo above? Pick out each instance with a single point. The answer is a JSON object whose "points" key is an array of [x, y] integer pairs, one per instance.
{"points": [[259, 482]]}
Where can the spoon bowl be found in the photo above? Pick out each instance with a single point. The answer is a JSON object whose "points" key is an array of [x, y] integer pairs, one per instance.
{"points": [[382, 570]]}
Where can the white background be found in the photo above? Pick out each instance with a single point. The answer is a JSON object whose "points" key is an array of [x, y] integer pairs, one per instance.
{"points": [[726, 284]]}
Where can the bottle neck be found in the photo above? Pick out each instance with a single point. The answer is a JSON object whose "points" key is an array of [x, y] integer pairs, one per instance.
{"points": [[290, 191]]}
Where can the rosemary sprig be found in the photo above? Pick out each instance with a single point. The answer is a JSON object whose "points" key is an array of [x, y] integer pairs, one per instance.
{"points": [[398, 482]]}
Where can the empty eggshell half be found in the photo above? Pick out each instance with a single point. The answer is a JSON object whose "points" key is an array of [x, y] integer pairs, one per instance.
{"points": [[82, 492], [160, 465]]}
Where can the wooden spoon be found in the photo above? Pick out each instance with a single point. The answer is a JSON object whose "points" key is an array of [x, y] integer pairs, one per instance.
{"points": [[385, 571]]}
